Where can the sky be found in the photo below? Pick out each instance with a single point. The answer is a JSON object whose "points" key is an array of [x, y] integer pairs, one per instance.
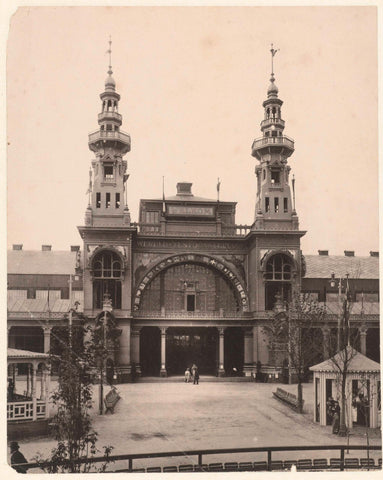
{"points": [[192, 81]]}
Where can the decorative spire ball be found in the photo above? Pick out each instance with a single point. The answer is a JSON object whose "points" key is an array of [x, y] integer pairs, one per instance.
{"points": [[110, 84]]}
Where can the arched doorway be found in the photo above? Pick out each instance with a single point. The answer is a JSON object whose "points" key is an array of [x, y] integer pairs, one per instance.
{"points": [[150, 351], [234, 341], [185, 346]]}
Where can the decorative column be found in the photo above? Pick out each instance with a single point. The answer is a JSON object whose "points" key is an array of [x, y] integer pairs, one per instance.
{"points": [[124, 352], [135, 345], [47, 385], [28, 380], [221, 364], [34, 400], [248, 352], [47, 339], [363, 335], [163, 372], [326, 341]]}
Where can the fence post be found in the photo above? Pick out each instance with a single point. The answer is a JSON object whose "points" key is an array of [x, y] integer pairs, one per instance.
{"points": [[342, 459], [269, 460], [130, 463], [200, 459]]}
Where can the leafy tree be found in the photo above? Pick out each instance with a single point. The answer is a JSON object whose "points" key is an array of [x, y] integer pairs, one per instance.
{"points": [[293, 330], [72, 427]]}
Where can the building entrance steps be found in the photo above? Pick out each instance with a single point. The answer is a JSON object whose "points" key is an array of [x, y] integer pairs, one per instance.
{"points": [[202, 379]]}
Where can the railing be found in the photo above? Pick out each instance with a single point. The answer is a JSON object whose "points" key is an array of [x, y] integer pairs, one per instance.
{"points": [[260, 142], [24, 410], [201, 453], [272, 121], [107, 114], [227, 231], [183, 314], [116, 135]]}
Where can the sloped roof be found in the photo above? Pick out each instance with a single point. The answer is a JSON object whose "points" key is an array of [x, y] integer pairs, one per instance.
{"points": [[369, 308], [358, 362], [35, 262], [34, 305], [16, 353], [321, 266]]}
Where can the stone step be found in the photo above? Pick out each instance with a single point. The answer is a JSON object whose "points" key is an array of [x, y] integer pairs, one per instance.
{"points": [[202, 379]]}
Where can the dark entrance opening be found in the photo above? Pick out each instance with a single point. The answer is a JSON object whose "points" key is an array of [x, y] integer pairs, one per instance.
{"points": [[185, 346], [233, 351], [150, 351]]}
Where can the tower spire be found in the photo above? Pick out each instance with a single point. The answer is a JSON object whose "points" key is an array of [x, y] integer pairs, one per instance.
{"points": [[109, 51], [274, 206]]}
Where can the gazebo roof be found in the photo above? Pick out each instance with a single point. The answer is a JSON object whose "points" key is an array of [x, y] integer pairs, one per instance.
{"points": [[357, 363], [14, 353]]}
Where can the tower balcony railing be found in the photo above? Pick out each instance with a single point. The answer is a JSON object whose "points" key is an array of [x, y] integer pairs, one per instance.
{"points": [[226, 230], [110, 115], [264, 141], [272, 121], [107, 134]]}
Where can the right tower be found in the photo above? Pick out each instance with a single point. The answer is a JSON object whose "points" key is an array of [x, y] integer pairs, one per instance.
{"points": [[275, 209]]}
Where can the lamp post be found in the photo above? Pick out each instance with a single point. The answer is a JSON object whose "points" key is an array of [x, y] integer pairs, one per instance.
{"points": [[70, 281], [106, 308], [342, 312]]}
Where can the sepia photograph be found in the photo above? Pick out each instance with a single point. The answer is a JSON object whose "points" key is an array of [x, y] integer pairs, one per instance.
{"points": [[192, 239]]}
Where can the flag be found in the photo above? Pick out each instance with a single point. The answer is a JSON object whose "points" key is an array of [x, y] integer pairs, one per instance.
{"points": [[163, 196], [90, 182], [218, 188]]}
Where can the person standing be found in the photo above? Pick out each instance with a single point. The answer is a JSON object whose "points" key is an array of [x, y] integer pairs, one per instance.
{"points": [[17, 458], [195, 374]]}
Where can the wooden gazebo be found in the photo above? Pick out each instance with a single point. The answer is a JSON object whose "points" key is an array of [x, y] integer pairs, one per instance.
{"points": [[363, 390], [26, 402]]}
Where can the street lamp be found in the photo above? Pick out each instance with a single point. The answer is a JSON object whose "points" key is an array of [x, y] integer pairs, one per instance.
{"points": [[339, 282], [70, 281], [107, 308]]}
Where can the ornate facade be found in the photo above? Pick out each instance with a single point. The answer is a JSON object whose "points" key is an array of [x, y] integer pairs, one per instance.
{"points": [[187, 284]]}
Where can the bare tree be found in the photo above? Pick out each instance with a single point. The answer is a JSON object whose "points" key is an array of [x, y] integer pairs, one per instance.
{"points": [[293, 329]]}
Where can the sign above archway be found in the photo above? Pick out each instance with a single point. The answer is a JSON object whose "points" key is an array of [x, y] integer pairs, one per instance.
{"points": [[193, 258]]}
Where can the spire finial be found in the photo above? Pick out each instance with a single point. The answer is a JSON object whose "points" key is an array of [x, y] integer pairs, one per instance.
{"points": [[110, 55], [273, 52]]}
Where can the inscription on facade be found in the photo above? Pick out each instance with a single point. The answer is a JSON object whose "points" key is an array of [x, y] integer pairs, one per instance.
{"points": [[188, 244], [193, 258], [197, 211]]}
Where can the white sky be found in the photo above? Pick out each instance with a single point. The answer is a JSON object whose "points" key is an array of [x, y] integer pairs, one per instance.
{"points": [[192, 81]]}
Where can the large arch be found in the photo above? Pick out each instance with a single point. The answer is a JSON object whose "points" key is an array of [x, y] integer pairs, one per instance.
{"points": [[206, 260]]}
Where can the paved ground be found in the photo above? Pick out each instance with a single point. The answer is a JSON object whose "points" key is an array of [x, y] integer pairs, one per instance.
{"points": [[153, 417]]}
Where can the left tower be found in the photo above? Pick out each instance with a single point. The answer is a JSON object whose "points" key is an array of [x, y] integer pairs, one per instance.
{"points": [[107, 233]]}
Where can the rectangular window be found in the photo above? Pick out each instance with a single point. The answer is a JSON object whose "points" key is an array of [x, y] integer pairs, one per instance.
{"points": [[108, 172], [98, 200], [275, 178], [107, 200], [117, 200], [276, 204], [190, 303], [285, 207], [267, 204]]}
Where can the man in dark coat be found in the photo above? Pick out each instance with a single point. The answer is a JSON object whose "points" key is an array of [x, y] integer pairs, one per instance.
{"points": [[17, 458]]}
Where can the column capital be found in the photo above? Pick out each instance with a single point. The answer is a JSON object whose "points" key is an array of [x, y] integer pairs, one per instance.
{"points": [[221, 331], [363, 330], [248, 331], [135, 331], [163, 330], [47, 329]]}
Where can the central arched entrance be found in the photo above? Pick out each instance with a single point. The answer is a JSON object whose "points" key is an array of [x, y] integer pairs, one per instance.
{"points": [[185, 346]]}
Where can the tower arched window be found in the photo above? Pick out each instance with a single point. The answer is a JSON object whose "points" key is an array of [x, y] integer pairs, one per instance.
{"points": [[278, 277], [107, 278]]}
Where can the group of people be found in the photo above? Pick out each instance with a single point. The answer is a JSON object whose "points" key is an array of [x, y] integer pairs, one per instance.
{"points": [[192, 374]]}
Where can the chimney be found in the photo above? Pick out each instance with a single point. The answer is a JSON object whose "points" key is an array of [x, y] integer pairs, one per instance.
{"points": [[349, 253], [184, 188], [17, 246], [75, 248], [323, 253], [46, 248], [374, 254]]}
